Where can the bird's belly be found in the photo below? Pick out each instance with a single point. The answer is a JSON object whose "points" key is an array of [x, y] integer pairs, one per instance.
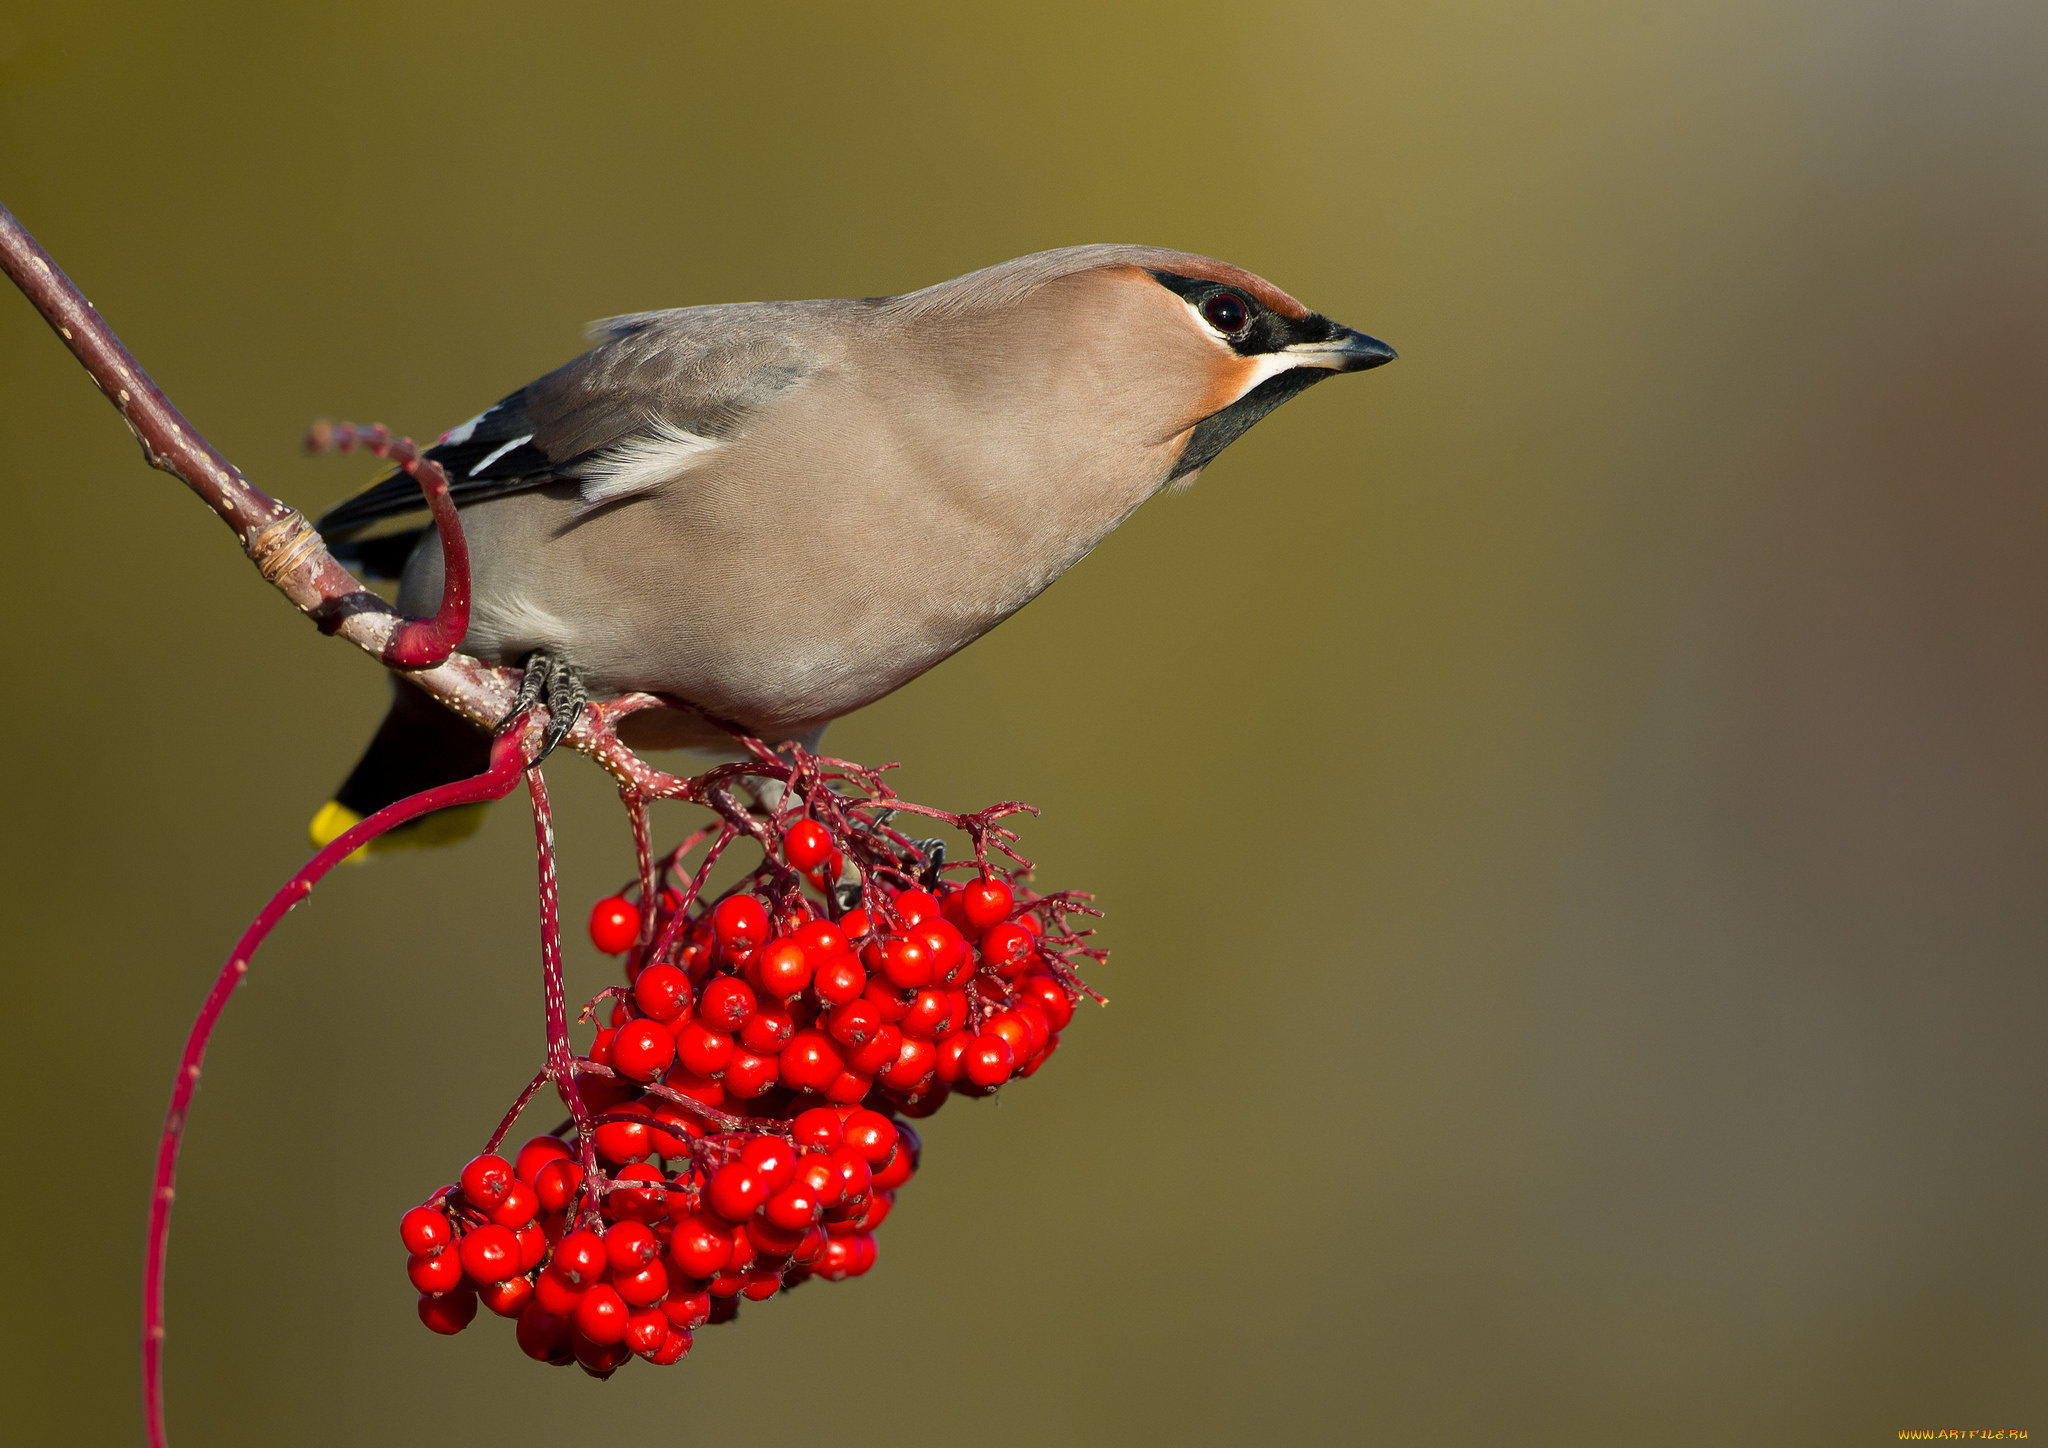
{"points": [[780, 640]]}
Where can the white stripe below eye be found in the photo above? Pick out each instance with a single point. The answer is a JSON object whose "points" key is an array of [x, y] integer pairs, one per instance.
{"points": [[516, 442]]}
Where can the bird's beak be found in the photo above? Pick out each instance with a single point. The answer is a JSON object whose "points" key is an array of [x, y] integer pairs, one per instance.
{"points": [[1348, 351]]}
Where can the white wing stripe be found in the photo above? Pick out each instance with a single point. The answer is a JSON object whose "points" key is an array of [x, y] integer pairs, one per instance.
{"points": [[517, 441]]}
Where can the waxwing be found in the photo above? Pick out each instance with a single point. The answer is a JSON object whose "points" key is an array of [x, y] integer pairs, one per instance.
{"points": [[773, 513]]}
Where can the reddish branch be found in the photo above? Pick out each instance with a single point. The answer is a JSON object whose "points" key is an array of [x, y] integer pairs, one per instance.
{"points": [[850, 801]]}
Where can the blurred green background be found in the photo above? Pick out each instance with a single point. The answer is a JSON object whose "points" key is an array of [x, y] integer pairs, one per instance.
{"points": [[1570, 805]]}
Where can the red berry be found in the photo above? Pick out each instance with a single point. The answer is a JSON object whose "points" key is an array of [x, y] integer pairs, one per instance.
{"points": [[581, 1258], [533, 1246], [817, 1128], [771, 1241], [880, 1203], [871, 1134], [599, 1359], [914, 1062], [855, 924], [686, 1311], [1010, 1026], [849, 1087], [821, 940], [625, 1139], [839, 1260], [887, 998], [811, 1061], [880, 1050], [424, 1231], [682, 1128], [629, 1246], [643, 1288], [662, 992], [795, 1208], [521, 1205], [989, 1061], [701, 1247], [839, 980], [486, 1180], [784, 968], [736, 1191], [614, 924], [1036, 1026], [915, 905], [986, 902], [555, 1293], [674, 1350], [951, 1064], [773, 1159], [698, 1088], [441, 1272], [632, 1202], [950, 956], [507, 1298], [646, 1331], [741, 922], [490, 1254], [726, 1003], [895, 1172], [536, 1154], [643, 1049], [1052, 998], [854, 1176], [449, 1313], [748, 1074], [931, 1015], [807, 845], [543, 1335], [907, 961], [601, 1315], [854, 1022], [1006, 949], [768, 1029], [557, 1183], [701, 1050]]}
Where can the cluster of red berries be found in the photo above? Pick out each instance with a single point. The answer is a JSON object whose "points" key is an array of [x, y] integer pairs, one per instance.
{"points": [[749, 1060], [665, 1253]]}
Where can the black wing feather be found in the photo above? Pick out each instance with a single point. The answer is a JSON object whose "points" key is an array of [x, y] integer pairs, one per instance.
{"points": [[496, 456]]}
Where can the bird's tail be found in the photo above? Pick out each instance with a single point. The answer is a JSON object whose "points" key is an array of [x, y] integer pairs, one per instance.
{"points": [[419, 745]]}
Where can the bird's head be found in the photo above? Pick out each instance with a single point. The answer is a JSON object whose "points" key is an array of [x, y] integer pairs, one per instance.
{"points": [[1185, 351]]}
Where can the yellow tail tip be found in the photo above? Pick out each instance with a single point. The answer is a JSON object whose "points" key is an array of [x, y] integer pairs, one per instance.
{"points": [[443, 827]]}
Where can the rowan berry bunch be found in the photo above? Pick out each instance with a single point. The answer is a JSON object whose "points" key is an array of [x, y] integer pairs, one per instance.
{"points": [[740, 1123]]}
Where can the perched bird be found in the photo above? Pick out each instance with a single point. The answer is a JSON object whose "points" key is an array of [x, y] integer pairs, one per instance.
{"points": [[774, 513]]}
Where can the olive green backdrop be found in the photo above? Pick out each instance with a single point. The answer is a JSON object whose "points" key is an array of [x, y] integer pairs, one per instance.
{"points": [[1570, 804]]}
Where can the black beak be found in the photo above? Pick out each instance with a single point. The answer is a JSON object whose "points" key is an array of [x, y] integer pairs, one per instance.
{"points": [[1356, 352], [1342, 351]]}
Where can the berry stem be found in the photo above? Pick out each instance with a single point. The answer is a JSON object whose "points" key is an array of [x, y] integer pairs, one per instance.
{"points": [[561, 1067], [418, 643], [512, 1116], [494, 783]]}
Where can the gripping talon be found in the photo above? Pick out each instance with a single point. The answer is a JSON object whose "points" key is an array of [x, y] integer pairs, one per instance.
{"points": [[553, 681]]}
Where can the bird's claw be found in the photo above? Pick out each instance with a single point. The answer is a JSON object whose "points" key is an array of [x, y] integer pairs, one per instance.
{"points": [[554, 682]]}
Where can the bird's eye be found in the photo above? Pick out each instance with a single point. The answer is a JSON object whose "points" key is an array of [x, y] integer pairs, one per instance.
{"points": [[1225, 313]]}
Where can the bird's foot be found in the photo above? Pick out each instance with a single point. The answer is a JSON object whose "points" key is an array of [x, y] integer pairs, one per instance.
{"points": [[554, 682]]}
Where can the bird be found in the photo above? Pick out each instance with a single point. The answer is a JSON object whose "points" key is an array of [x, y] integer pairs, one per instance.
{"points": [[770, 514]]}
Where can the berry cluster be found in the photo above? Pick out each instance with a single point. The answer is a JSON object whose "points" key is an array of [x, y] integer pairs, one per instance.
{"points": [[741, 1125]]}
